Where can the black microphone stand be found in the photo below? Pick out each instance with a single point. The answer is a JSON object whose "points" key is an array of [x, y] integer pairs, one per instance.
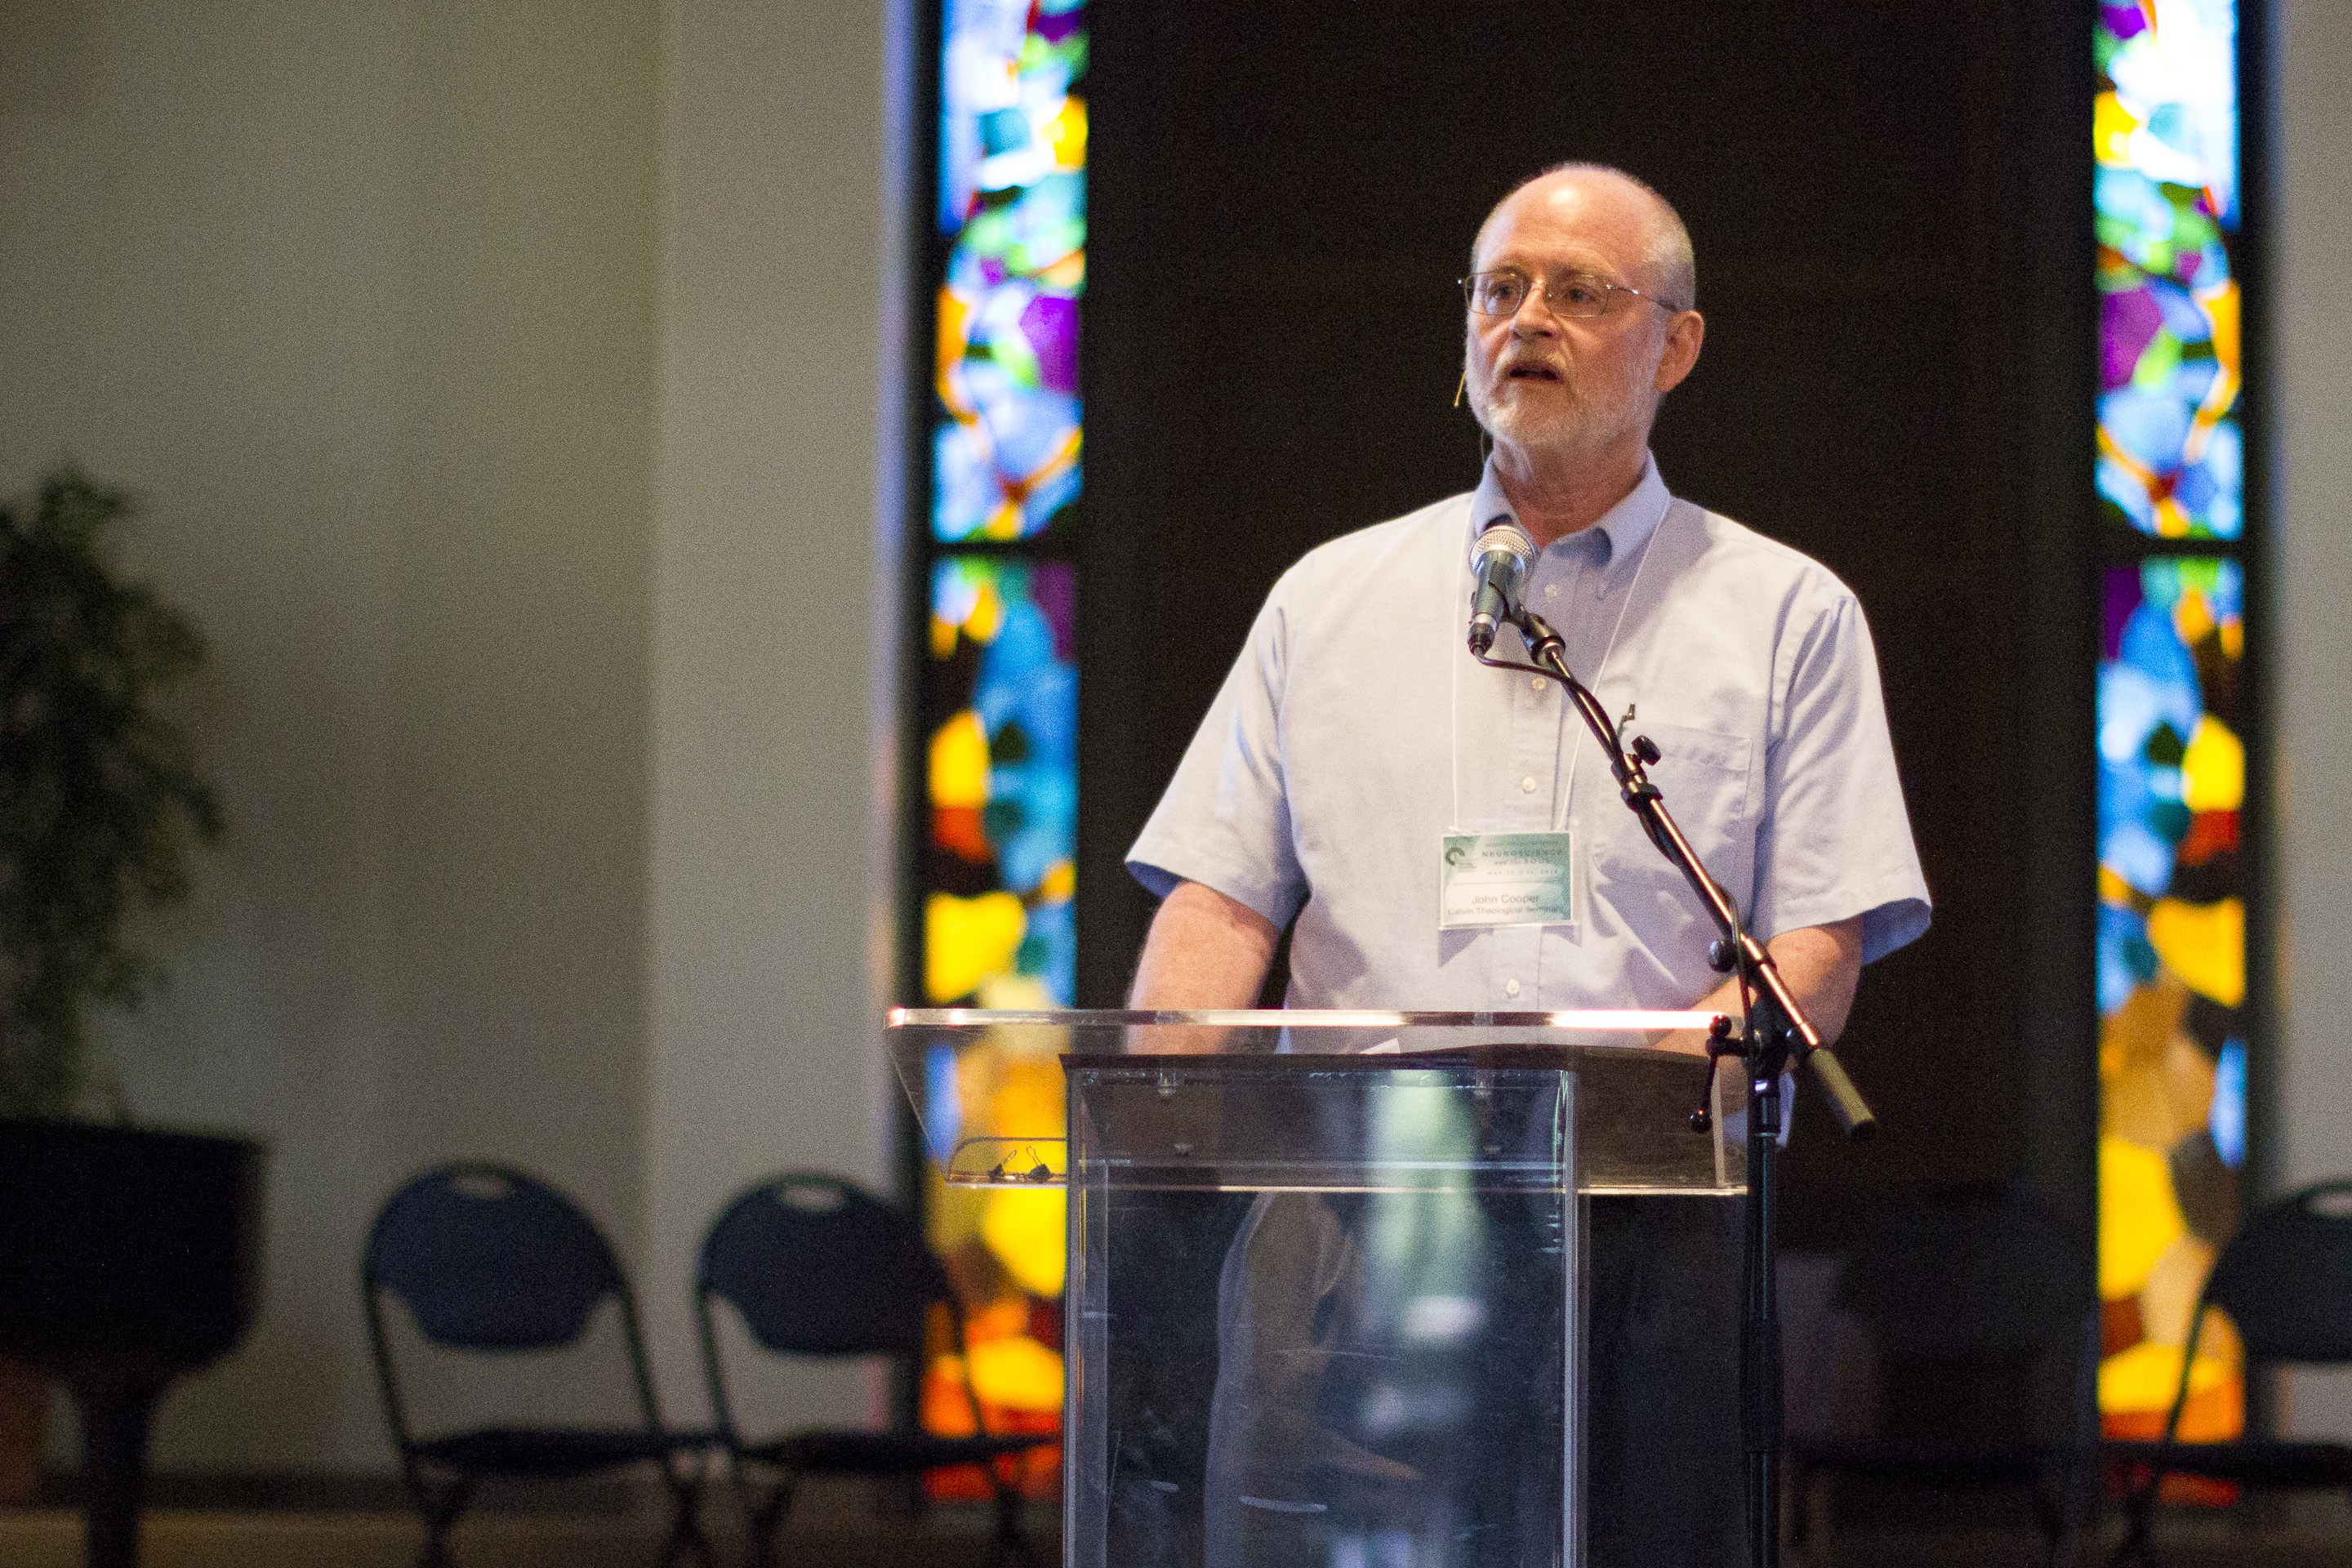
{"points": [[1774, 1035]]}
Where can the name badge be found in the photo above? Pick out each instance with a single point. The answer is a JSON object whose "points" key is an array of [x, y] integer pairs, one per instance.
{"points": [[1506, 880]]}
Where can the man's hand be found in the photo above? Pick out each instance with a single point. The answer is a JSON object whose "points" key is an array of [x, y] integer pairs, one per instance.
{"points": [[1205, 951], [1821, 965]]}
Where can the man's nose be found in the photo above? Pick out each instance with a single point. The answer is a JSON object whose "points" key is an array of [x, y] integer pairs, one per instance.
{"points": [[1535, 316]]}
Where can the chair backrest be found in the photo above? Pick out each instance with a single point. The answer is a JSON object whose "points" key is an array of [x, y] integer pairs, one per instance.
{"points": [[819, 1267], [487, 1257], [2285, 1278]]}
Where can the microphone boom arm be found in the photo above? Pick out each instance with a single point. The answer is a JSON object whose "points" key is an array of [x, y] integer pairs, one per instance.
{"points": [[1779, 1032]]}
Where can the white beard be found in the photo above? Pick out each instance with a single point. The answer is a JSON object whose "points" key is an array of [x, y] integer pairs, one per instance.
{"points": [[1576, 417]]}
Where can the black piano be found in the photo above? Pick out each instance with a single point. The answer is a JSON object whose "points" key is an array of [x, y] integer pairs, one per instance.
{"points": [[127, 1259]]}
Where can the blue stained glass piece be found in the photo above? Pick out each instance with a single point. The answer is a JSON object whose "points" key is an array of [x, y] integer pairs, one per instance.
{"points": [[1050, 950], [2195, 489], [2132, 703], [2149, 426], [2184, 318], [963, 487], [1047, 833], [2151, 645], [1028, 425], [1058, 491], [2135, 852], [2189, 381], [1022, 654], [2170, 124], [2119, 928], [2227, 1120], [2124, 792], [2119, 485], [942, 1101], [2227, 597]]}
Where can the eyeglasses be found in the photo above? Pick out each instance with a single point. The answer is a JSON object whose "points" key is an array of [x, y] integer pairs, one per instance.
{"points": [[1580, 295]]}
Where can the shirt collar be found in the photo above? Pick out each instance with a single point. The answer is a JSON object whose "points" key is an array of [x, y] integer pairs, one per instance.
{"points": [[1625, 526]]}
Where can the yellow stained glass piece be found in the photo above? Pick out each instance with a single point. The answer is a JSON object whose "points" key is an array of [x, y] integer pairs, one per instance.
{"points": [[1059, 883], [1025, 1228], [967, 940], [1017, 993], [1028, 1101], [2111, 128], [2139, 1218], [1065, 133], [987, 618], [2170, 1298], [943, 638], [2148, 1375], [2192, 617], [2205, 944], [2222, 306], [1016, 1373], [955, 331], [2113, 889], [959, 763], [2233, 639], [2213, 769]]}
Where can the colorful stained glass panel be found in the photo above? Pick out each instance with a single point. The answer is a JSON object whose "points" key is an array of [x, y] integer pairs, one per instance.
{"points": [[1012, 208], [1000, 701], [2172, 454], [2171, 981], [1002, 784]]}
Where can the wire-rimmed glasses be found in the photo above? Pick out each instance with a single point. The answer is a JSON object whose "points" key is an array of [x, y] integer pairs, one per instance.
{"points": [[1580, 295]]}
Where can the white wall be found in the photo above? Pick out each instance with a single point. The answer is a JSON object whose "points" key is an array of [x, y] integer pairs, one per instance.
{"points": [[764, 1004], [2314, 343], [512, 435]]}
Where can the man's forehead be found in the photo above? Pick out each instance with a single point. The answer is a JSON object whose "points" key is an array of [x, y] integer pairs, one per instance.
{"points": [[1582, 215]]}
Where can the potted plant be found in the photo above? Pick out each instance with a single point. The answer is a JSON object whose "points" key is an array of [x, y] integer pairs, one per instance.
{"points": [[102, 808]]}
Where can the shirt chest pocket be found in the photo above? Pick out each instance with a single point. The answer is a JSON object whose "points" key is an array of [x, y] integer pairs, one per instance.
{"points": [[1707, 779]]}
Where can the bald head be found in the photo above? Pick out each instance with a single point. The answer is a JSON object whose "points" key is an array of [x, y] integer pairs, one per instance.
{"points": [[1669, 268]]}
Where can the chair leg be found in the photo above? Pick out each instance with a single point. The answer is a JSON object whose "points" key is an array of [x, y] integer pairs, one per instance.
{"points": [[2140, 1517], [439, 1506], [687, 1542], [763, 1520]]}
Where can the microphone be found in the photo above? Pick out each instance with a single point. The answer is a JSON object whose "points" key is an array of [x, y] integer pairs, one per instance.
{"points": [[1499, 564]]}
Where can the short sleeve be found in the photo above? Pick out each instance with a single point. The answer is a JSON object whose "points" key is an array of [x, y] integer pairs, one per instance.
{"points": [[1224, 821], [1834, 840]]}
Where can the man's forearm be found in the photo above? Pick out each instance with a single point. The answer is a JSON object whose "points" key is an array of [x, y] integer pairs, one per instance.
{"points": [[1821, 965], [1204, 951]]}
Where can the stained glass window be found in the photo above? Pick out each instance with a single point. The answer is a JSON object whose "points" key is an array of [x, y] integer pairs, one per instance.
{"points": [[2172, 981], [2172, 454], [994, 915], [2172, 707]]}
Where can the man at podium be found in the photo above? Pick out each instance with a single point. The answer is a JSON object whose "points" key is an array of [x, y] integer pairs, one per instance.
{"points": [[1362, 775]]}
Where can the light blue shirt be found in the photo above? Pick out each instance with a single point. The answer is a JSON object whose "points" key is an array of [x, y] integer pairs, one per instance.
{"points": [[1356, 730]]}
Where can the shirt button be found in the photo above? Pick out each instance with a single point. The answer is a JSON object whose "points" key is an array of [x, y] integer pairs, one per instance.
{"points": [[1535, 683], [1552, 590], [1528, 785], [1511, 988]]}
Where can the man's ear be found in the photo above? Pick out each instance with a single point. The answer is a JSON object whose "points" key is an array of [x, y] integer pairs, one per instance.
{"points": [[1684, 335]]}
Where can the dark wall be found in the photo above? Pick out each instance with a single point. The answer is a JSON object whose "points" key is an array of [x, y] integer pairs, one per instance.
{"points": [[1889, 204]]}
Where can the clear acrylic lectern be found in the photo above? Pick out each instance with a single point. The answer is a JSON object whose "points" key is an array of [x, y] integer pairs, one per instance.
{"points": [[1326, 1270]]}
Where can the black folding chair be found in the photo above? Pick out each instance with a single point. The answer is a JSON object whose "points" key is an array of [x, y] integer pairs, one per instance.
{"points": [[487, 1259], [1975, 1308], [2285, 1281], [817, 1267]]}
